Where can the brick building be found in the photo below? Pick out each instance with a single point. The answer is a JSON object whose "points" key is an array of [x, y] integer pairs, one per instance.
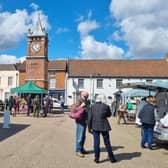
{"points": [[37, 68], [69, 77]]}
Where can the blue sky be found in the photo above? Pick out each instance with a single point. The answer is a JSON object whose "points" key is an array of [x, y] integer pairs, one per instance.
{"points": [[86, 29]]}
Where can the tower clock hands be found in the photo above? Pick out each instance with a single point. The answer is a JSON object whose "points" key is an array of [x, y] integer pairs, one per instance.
{"points": [[36, 47]]}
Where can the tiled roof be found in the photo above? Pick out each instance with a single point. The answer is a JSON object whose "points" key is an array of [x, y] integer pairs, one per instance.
{"points": [[57, 65], [118, 68], [7, 67], [21, 66], [52, 65]]}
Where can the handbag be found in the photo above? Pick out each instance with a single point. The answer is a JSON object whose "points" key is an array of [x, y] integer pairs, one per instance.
{"points": [[76, 112]]}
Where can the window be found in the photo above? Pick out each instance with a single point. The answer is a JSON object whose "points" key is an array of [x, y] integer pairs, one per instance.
{"points": [[10, 80], [118, 82], [52, 73], [81, 83], [52, 83], [99, 83], [149, 80], [52, 80]]}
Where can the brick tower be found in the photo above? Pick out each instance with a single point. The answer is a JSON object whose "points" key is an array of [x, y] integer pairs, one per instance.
{"points": [[37, 55]]}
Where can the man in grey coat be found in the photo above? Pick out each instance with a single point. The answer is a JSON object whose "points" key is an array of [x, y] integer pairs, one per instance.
{"points": [[98, 124]]}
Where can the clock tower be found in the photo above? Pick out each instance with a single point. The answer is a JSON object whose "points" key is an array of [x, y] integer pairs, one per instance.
{"points": [[37, 55]]}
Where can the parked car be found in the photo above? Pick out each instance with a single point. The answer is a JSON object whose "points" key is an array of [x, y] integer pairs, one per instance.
{"points": [[56, 103], [161, 130], [1, 105]]}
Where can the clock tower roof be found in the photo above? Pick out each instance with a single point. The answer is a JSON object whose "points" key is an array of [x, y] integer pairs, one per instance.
{"points": [[37, 30]]}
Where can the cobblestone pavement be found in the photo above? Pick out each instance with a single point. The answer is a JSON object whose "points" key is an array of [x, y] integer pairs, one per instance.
{"points": [[50, 142]]}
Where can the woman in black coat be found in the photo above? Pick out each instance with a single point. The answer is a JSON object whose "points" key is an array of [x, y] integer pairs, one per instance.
{"points": [[98, 124]]}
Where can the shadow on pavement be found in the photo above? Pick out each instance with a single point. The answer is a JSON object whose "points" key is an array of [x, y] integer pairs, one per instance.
{"points": [[103, 149], [160, 145], [14, 128], [117, 147], [127, 156], [123, 156]]}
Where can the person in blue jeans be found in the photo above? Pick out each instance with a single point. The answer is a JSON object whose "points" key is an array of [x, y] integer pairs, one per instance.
{"points": [[81, 125], [147, 118], [98, 124]]}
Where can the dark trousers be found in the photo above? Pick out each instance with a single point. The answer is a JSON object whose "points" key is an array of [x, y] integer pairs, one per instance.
{"points": [[147, 135], [29, 110], [106, 138]]}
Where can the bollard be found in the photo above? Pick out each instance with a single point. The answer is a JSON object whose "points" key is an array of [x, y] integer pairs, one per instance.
{"points": [[6, 119]]}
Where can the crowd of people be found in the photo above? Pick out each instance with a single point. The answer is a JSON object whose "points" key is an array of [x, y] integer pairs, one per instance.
{"points": [[95, 116], [31, 104]]}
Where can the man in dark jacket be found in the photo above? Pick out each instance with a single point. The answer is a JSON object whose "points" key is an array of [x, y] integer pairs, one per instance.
{"points": [[98, 124], [147, 118]]}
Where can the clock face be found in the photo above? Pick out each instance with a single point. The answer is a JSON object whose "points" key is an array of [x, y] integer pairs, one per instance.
{"points": [[36, 47]]}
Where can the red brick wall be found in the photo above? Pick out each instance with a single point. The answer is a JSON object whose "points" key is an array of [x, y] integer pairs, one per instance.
{"points": [[60, 80]]}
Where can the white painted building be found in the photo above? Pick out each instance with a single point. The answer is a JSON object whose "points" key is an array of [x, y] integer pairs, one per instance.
{"points": [[9, 78], [95, 86], [104, 76]]}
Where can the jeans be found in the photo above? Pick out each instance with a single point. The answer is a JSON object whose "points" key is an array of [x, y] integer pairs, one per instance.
{"points": [[106, 138], [147, 135], [80, 136], [62, 107]]}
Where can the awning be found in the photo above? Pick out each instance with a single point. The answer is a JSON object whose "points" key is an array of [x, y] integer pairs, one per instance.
{"points": [[145, 86], [29, 87], [137, 93]]}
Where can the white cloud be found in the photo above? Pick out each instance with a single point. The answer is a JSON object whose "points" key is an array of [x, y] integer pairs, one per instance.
{"points": [[62, 30], [115, 36], [91, 48], [86, 26], [143, 24], [43, 18], [99, 50], [14, 26], [89, 14], [10, 59], [34, 6], [21, 59], [79, 19]]}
